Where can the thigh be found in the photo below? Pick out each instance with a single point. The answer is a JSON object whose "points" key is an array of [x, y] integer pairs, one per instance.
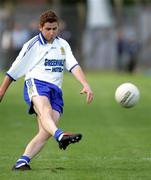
{"points": [[41, 105]]}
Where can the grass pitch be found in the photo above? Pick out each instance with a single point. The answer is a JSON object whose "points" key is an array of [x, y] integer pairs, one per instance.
{"points": [[116, 142]]}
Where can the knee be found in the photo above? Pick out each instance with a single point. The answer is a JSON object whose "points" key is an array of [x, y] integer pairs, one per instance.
{"points": [[43, 135]]}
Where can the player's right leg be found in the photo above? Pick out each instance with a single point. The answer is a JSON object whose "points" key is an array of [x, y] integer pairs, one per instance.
{"points": [[32, 149], [48, 113], [35, 145], [47, 119], [38, 142]]}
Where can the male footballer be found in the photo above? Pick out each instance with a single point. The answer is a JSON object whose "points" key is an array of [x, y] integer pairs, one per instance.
{"points": [[42, 61]]}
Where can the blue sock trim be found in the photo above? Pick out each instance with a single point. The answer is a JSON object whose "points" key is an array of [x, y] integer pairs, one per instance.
{"points": [[25, 158], [57, 134], [22, 159]]}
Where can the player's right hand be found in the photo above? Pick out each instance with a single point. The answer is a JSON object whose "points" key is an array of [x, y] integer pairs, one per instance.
{"points": [[1, 94], [3, 87]]}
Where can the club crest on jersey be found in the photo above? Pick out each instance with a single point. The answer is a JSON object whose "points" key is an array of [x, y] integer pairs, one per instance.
{"points": [[62, 51]]}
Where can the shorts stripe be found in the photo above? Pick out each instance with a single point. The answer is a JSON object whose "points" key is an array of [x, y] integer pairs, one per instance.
{"points": [[31, 88]]}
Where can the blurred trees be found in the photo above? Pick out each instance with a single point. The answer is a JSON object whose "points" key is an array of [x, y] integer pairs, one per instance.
{"points": [[128, 15]]}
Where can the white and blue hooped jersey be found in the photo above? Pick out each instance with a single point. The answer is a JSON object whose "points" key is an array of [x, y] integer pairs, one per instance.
{"points": [[43, 61]]}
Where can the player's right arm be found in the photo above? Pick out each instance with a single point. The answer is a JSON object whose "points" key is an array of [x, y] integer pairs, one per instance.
{"points": [[23, 62], [26, 60], [9, 78], [4, 86]]}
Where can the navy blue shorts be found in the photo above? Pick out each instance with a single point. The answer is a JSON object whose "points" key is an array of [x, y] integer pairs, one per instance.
{"points": [[34, 87]]}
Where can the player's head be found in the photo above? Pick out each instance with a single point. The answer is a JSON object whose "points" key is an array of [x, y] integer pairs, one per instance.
{"points": [[48, 16], [49, 25]]}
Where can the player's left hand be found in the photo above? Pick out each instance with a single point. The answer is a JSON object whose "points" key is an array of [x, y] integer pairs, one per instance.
{"points": [[87, 90]]}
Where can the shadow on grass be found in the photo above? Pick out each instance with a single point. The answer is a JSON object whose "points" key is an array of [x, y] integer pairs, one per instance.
{"points": [[55, 169]]}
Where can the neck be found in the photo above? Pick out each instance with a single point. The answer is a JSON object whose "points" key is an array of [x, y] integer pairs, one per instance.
{"points": [[50, 41]]}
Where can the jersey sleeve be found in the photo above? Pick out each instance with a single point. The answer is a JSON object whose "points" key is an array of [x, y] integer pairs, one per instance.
{"points": [[23, 62], [70, 62], [19, 65]]}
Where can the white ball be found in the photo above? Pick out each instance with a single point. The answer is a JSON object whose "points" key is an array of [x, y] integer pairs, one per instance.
{"points": [[127, 95]]}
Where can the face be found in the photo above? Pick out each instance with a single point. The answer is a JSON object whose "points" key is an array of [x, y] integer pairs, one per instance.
{"points": [[49, 30]]}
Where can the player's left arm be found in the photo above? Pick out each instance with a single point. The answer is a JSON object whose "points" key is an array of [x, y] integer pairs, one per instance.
{"points": [[80, 76]]}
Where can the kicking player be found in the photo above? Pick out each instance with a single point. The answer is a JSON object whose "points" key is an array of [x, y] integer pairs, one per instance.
{"points": [[42, 60]]}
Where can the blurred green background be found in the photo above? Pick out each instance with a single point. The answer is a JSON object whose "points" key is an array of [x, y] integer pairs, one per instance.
{"points": [[111, 39], [116, 141]]}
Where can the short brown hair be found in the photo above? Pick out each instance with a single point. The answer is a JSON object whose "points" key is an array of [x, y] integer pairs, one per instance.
{"points": [[48, 16]]}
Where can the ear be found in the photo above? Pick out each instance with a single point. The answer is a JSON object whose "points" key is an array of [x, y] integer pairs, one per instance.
{"points": [[40, 27]]}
